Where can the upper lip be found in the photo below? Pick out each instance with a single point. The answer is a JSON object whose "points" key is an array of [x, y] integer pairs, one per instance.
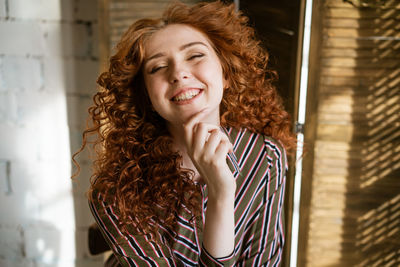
{"points": [[182, 90]]}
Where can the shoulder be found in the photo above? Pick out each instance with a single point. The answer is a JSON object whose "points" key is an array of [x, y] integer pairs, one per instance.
{"points": [[100, 202], [250, 148], [275, 148], [261, 160], [245, 138]]}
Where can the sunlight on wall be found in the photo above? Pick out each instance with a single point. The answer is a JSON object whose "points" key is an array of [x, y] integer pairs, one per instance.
{"points": [[39, 226], [49, 193]]}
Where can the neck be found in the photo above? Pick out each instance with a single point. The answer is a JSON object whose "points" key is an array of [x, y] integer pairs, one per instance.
{"points": [[178, 134]]}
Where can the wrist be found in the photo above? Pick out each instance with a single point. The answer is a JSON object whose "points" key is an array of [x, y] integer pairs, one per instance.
{"points": [[221, 200], [224, 190]]}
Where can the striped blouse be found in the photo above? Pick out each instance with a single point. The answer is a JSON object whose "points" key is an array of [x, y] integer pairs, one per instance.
{"points": [[259, 166]]}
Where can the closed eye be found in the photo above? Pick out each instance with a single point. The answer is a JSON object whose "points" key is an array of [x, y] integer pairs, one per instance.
{"points": [[157, 68], [195, 56]]}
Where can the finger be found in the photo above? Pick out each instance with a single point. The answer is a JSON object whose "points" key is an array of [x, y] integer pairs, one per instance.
{"points": [[223, 149], [212, 143], [226, 138], [200, 137], [189, 125]]}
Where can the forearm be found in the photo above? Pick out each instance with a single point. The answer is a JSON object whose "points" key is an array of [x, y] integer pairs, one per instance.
{"points": [[219, 228], [207, 146]]}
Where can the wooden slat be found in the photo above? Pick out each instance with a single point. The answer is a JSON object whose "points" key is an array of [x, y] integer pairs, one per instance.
{"points": [[359, 43], [356, 72], [351, 33], [342, 4], [379, 23], [350, 13], [354, 13], [362, 53]]}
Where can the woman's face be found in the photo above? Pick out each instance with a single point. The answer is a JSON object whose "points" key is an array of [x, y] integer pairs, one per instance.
{"points": [[182, 74]]}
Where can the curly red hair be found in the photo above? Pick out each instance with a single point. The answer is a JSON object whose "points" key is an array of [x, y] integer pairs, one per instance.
{"points": [[136, 164]]}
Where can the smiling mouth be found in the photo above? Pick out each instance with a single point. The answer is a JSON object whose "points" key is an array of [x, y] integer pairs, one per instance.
{"points": [[186, 95]]}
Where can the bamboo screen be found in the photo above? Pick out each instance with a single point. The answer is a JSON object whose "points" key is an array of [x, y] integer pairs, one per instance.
{"points": [[354, 209]]}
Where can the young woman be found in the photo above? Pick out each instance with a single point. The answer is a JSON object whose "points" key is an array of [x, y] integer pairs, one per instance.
{"points": [[191, 163]]}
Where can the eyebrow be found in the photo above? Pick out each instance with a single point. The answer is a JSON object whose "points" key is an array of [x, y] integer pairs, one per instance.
{"points": [[183, 47]]}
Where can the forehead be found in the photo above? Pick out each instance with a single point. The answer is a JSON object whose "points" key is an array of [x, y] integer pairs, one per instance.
{"points": [[173, 36]]}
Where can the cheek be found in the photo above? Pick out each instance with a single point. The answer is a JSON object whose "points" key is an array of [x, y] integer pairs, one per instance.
{"points": [[218, 77], [153, 89], [151, 94], [213, 73], [148, 84], [217, 71]]}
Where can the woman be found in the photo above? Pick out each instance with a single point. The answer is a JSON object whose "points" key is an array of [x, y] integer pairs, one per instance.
{"points": [[191, 169]]}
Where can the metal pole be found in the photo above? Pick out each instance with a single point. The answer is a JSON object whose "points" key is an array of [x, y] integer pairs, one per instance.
{"points": [[300, 135], [237, 6]]}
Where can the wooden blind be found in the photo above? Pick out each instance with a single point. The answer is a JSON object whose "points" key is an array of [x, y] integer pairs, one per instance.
{"points": [[354, 209]]}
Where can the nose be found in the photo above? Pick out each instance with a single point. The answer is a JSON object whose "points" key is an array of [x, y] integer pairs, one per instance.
{"points": [[178, 73]]}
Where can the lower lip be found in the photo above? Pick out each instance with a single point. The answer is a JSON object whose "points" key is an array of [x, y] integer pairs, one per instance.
{"points": [[188, 101]]}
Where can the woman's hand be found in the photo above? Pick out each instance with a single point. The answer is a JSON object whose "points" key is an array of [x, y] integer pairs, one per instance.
{"points": [[207, 147]]}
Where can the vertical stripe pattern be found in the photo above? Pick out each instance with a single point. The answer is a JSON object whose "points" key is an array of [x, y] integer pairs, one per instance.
{"points": [[258, 164]]}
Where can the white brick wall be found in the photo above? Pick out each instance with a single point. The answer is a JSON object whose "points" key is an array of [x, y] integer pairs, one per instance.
{"points": [[19, 73], [11, 242], [3, 12], [69, 10], [21, 38], [74, 72], [48, 69], [66, 39], [16, 263], [37, 9], [8, 109]]}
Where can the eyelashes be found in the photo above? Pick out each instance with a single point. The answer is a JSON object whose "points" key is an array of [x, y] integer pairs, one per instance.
{"points": [[199, 55], [190, 58], [155, 69]]}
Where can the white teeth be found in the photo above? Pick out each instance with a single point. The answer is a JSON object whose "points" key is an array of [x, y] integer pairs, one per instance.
{"points": [[187, 95]]}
